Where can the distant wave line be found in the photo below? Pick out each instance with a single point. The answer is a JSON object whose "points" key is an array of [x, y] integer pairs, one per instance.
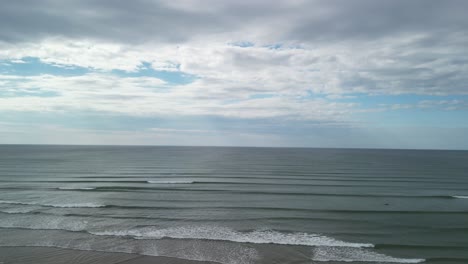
{"points": [[224, 220], [76, 188], [247, 183], [131, 189], [375, 180], [122, 188], [92, 205], [171, 182], [32, 212], [67, 205]]}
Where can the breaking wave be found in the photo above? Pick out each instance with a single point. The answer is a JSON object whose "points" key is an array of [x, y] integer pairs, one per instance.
{"points": [[227, 234], [17, 210]]}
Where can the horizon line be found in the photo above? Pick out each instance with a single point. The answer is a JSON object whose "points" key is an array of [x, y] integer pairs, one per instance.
{"points": [[226, 146]]}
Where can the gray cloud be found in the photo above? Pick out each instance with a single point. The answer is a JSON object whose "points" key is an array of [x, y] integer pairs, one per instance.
{"points": [[144, 20], [120, 20], [368, 19]]}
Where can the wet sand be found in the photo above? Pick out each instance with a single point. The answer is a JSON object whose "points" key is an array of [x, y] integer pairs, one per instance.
{"points": [[48, 255]]}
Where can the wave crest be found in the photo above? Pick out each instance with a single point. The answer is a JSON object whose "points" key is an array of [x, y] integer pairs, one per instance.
{"points": [[171, 182], [76, 188], [227, 234], [58, 205]]}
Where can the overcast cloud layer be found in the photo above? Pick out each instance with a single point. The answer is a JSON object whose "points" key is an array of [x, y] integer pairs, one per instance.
{"points": [[359, 73]]}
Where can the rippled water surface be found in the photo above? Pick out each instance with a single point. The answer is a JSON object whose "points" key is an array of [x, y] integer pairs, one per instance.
{"points": [[239, 205]]}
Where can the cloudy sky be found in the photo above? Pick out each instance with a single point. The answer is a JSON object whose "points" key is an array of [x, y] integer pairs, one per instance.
{"points": [[331, 73]]}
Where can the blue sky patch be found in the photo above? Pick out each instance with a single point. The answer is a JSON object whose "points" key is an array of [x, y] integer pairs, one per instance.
{"points": [[242, 44], [261, 96], [171, 77], [274, 46], [30, 66]]}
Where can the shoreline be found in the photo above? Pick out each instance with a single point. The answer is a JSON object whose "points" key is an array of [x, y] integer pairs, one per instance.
{"points": [[56, 255]]}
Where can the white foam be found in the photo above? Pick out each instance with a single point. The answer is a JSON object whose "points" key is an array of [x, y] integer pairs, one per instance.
{"points": [[64, 205], [346, 254], [15, 202], [227, 234], [211, 251], [43, 222], [76, 205], [171, 182], [76, 188], [17, 210], [460, 197]]}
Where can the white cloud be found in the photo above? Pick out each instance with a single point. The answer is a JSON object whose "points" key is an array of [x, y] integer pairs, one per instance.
{"points": [[398, 65], [148, 96], [231, 81]]}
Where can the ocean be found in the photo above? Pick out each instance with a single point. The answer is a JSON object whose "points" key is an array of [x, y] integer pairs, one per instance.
{"points": [[238, 205]]}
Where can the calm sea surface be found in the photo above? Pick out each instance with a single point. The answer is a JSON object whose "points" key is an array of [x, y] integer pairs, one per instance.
{"points": [[239, 205]]}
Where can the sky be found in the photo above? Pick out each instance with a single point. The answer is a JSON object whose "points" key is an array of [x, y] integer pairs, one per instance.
{"points": [[285, 73]]}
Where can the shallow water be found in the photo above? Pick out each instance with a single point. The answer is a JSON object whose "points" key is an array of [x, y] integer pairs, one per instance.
{"points": [[239, 205]]}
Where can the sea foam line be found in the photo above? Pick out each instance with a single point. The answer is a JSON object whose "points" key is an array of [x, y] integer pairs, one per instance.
{"points": [[66, 205], [227, 234], [76, 188], [17, 210], [171, 182], [328, 254]]}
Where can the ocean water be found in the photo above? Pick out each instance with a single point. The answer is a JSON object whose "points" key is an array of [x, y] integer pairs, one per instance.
{"points": [[238, 205]]}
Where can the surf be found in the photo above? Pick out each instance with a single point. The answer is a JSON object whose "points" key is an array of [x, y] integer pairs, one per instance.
{"points": [[227, 234]]}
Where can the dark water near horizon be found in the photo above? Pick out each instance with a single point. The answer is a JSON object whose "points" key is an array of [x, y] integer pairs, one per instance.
{"points": [[238, 205]]}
